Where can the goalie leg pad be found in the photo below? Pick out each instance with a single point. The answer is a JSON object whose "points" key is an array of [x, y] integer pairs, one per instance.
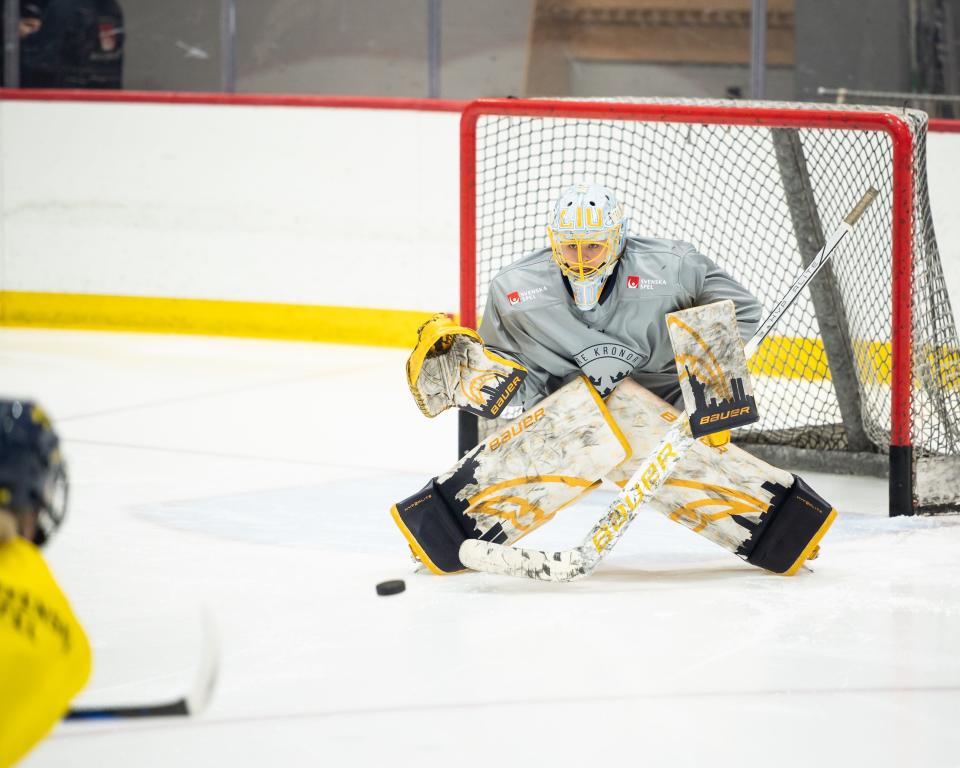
{"points": [[722, 492], [790, 530], [516, 480], [432, 529]]}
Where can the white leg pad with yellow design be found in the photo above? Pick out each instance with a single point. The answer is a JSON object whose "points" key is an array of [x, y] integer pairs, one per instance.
{"points": [[745, 505], [515, 480]]}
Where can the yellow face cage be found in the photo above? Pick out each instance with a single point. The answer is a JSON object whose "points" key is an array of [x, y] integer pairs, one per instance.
{"points": [[583, 256]]}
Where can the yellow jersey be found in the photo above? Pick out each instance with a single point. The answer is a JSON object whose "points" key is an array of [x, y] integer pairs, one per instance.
{"points": [[44, 653]]}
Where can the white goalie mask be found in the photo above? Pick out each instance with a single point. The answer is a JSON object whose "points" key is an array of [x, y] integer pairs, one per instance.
{"points": [[587, 232]]}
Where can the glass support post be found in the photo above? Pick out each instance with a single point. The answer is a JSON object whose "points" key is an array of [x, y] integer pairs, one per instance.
{"points": [[433, 48], [758, 49], [228, 45], [11, 44]]}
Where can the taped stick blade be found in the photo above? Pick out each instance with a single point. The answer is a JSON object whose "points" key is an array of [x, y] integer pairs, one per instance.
{"points": [[209, 666], [525, 563]]}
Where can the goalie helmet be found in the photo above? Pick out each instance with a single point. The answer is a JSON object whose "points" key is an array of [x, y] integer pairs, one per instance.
{"points": [[587, 233], [33, 477]]}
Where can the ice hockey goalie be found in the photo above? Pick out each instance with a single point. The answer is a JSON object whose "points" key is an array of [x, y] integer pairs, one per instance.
{"points": [[575, 348]]}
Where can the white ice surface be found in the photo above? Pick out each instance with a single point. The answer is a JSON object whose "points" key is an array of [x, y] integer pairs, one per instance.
{"points": [[254, 479]]}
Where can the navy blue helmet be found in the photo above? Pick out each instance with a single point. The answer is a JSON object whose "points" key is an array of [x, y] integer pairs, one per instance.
{"points": [[33, 476]]}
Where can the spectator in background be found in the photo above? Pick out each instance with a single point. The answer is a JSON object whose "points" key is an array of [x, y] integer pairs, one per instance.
{"points": [[30, 14], [29, 24], [79, 44]]}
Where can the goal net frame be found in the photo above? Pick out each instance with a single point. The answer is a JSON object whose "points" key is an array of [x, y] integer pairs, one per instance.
{"points": [[900, 452]]}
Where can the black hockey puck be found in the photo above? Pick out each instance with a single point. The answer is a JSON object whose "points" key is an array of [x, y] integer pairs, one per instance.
{"points": [[394, 587]]}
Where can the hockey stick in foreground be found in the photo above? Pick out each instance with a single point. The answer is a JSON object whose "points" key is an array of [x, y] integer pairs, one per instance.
{"points": [[191, 704], [576, 563]]}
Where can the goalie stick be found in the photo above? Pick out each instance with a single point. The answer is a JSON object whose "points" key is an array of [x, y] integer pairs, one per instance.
{"points": [[571, 564], [190, 704]]}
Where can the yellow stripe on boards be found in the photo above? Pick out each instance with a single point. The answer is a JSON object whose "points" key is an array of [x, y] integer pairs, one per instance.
{"points": [[339, 325], [791, 357], [794, 357]]}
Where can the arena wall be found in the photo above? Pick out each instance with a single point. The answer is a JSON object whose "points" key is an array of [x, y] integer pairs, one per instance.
{"points": [[334, 223]]}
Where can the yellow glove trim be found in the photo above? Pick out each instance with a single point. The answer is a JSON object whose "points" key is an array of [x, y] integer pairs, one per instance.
{"points": [[434, 337], [717, 439]]}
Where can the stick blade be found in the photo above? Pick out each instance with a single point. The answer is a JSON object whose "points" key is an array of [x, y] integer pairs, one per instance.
{"points": [[193, 703], [523, 563], [209, 667]]}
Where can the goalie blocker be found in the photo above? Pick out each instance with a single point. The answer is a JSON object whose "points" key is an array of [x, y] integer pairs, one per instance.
{"points": [[561, 449]]}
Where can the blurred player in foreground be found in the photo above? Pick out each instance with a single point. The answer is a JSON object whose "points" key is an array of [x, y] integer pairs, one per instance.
{"points": [[573, 353], [44, 653]]}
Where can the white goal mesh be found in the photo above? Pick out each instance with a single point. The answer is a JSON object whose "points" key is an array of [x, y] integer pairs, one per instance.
{"points": [[740, 194]]}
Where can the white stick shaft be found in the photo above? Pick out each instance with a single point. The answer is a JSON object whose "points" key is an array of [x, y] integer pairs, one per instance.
{"points": [[843, 229], [773, 317]]}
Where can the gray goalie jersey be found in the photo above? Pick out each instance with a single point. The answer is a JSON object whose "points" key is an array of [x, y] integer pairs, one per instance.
{"points": [[531, 317]]}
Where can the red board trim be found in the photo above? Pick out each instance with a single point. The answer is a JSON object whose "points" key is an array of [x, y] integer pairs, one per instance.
{"points": [[230, 99], [942, 125]]}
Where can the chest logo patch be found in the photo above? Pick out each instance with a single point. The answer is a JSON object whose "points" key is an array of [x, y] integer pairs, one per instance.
{"points": [[644, 283], [518, 297], [606, 365]]}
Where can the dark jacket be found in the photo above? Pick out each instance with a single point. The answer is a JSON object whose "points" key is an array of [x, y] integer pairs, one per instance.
{"points": [[79, 45]]}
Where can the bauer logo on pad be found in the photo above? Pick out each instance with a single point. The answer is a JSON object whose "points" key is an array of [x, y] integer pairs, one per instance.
{"points": [[717, 393]]}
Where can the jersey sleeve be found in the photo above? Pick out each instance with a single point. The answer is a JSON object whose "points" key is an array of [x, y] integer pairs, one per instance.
{"points": [[707, 283], [501, 333], [44, 653]]}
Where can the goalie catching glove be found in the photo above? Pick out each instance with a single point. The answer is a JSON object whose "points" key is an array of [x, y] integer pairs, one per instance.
{"points": [[450, 367]]}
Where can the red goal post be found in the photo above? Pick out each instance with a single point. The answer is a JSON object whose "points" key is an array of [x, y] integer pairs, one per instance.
{"points": [[503, 144]]}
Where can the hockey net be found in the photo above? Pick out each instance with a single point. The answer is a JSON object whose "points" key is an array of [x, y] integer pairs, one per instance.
{"points": [[868, 356]]}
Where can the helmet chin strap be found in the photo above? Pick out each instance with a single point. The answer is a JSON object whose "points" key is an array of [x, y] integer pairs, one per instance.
{"points": [[586, 292]]}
